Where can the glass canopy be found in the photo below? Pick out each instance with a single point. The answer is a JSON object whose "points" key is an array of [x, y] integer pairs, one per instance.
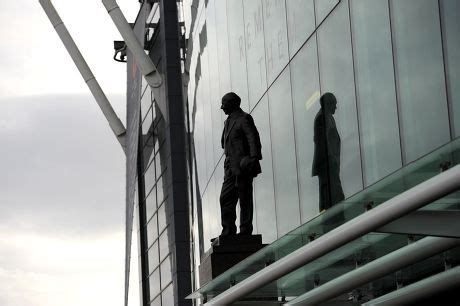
{"points": [[353, 254]]}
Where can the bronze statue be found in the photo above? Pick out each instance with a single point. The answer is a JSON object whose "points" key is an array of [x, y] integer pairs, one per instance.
{"points": [[242, 148], [326, 160]]}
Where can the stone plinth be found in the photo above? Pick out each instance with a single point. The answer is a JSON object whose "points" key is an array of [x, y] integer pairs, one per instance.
{"points": [[225, 252]]}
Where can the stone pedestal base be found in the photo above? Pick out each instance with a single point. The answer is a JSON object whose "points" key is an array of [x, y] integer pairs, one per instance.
{"points": [[225, 252]]}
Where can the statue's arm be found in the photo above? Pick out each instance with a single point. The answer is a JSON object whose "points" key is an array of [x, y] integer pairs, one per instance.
{"points": [[252, 135]]}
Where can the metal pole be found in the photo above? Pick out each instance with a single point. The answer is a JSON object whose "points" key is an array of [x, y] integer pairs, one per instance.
{"points": [[380, 267], [438, 283], [115, 123], [148, 69], [410, 200]]}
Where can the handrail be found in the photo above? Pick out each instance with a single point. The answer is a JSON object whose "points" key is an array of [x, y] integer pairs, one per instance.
{"points": [[410, 200], [440, 282], [414, 252], [115, 123]]}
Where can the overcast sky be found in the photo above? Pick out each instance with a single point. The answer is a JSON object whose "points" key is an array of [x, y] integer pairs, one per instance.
{"points": [[62, 186]]}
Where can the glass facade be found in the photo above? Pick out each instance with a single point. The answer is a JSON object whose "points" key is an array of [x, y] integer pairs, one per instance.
{"points": [[392, 66], [158, 247], [154, 199]]}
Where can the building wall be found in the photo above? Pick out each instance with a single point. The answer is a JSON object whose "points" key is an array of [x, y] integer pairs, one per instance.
{"points": [[393, 66], [162, 206]]}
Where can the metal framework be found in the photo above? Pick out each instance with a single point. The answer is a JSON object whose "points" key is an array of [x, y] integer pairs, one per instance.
{"points": [[440, 282], [402, 204], [147, 67], [380, 267], [115, 123]]}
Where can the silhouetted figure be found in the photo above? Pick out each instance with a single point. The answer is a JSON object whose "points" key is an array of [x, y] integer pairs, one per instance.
{"points": [[326, 160], [242, 148]]}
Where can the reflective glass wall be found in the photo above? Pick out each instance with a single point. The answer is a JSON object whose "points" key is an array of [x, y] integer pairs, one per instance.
{"points": [[393, 67], [153, 208]]}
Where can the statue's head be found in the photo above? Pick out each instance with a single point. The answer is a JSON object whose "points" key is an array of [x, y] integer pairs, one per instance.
{"points": [[328, 103], [230, 102]]}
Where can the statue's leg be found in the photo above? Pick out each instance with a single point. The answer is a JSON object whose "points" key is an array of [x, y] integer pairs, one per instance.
{"points": [[246, 204], [324, 199], [228, 200]]}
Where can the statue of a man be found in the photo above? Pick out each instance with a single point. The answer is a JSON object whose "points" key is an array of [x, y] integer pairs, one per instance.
{"points": [[242, 148]]}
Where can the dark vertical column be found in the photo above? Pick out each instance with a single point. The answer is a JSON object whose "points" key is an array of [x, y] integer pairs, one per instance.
{"points": [[177, 212], [143, 244]]}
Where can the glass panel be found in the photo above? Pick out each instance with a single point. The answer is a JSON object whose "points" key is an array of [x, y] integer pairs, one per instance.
{"points": [[162, 222], [264, 204], [200, 148], [301, 22], [147, 151], [168, 296], [154, 113], [149, 178], [204, 100], [237, 51], [156, 301], [215, 95], [222, 47], [451, 26], [146, 101], [157, 140], [375, 89], [322, 8], [276, 41], [144, 84], [154, 257], [152, 230], [418, 271], [160, 190], [213, 194], [153, 13], [147, 123], [165, 269], [305, 94], [330, 264], [420, 76], [207, 221], [336, 263], [154, 283], [159, 170], [162, 156], [283, 150], [336, 72], [151, 203], [257, 77], [164, 244]]}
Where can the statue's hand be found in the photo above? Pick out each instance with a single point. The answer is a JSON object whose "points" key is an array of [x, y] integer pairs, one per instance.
{"points": [[247, 163]]}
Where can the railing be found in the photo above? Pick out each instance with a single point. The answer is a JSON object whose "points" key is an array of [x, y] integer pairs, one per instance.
{"points": [[321, 228], [415, 198]]}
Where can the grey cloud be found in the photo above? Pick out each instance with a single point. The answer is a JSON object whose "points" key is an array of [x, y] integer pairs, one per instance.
{"points": [[62, 168]]}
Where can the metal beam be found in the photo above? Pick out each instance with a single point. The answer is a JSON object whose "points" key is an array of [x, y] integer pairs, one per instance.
{"points": [[443, 223], [115, 123], [402, 204], [146, 66], [380, 267], [425, 288]]}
